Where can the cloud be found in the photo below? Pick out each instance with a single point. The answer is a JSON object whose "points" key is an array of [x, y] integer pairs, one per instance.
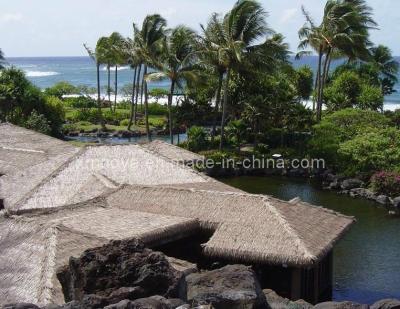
{"points": [[10, 17], [287, 15]]}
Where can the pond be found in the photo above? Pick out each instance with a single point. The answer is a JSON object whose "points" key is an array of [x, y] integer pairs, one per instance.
{"points": [[367, 260], [123, 140]]}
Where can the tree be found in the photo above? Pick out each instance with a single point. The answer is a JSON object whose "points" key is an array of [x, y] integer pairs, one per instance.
{"points": [[97, 56], [117, 56], [2, 60], [60, 89], [236, 131], [344, 29], [304, 82], [228, 40], [149, 43], [176, 64], [388, 68]]}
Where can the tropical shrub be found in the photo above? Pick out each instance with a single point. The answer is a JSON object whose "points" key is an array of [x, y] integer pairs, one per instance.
{"points": [[124, 122], [60, 89], [197, 139], [86, 114], [38, 122], [370, 151], [304, 82], [55, 113], [236, 131], [370, 97], [158, 93], [81, 102], [386, 183]]}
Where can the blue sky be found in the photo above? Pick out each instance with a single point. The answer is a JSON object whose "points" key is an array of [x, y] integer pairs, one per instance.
{"points": [[60, 27]]}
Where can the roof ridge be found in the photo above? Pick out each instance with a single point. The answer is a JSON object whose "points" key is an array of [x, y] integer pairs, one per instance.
{"points": [[56, 172], [286, 225]]}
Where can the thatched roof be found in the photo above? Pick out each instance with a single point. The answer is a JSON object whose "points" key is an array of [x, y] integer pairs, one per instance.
{"points": [[173, 153], [34, 245], [97, 169], [250, 228], [27, 158]]}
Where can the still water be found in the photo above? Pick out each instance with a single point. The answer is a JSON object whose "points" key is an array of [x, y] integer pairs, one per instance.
{"points": [[367, 260]]}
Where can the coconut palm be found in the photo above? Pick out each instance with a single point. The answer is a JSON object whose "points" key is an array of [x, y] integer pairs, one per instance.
{"points": [[107, 59], [231, 38], [2, 60], [388, 68], [149, 43], [118, 58], [97, 56], [177, 64], [344, 29]]}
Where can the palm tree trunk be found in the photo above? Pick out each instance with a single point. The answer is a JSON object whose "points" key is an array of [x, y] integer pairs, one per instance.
{"points": [[224, 107], [146, 105], [324, 77], [103, 126], [116, 88], [141, 92], [217, 103], [133, 100], [170, 97], [137, 92], [109, 85], [319, 83]]}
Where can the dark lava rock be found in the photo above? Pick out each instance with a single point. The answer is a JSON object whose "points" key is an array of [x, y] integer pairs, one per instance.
{"points": [[361, 192], [154, 302], [342, 305], [351, 183], [382, 199], [387, 304], [274, 301], [117, 271], [20, 306], [230, 287]]}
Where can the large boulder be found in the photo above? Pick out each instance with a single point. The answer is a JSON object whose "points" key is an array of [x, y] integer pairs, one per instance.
{"points": [[387, 304], [362, 192], [20, 306], [396, 203], [230, 287], [117, 271], [341, 305], [382, 199], [351, 183]]}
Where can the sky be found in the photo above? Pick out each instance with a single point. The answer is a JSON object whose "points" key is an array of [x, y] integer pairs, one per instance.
{"points": [[30, 28]]}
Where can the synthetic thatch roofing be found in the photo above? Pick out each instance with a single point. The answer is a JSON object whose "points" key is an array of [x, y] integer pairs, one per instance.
{"points": [[27, 158], [247, 227], [33, 246], [173, 153], [97, 169]]}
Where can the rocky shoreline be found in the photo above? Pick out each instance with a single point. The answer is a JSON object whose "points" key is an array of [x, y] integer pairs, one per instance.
{"points": [[126, 274]]}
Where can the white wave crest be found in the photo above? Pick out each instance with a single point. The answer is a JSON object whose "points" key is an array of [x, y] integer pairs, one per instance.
{"points": [[119, 68], [40, 74]]}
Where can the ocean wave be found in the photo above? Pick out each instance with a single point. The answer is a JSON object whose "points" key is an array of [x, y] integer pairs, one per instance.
{"points": [[119, 68], [40, 74]]}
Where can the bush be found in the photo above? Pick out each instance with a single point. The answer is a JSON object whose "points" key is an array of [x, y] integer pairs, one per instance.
{"points": [[124, 123], [386, 183], [38, 122], [370, 151], [304, 82], [81, 102], [115, 117], [371, 97], [197, 139], [55, 113], [60, 89], [90, 115]]}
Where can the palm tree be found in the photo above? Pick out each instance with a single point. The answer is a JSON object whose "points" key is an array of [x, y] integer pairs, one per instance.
{"points": [[149, 43], [97, 56], [116, 50], [177, 64], [231, 38], [344, 29], [2, 60], [387, 67]]}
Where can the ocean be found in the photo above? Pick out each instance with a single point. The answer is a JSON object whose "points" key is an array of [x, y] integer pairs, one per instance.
{"points": [[46, 71]]}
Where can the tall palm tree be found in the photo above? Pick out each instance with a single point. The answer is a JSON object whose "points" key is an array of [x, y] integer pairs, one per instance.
{"points": [[2, 60], [149, 42], [107, 59], [234, 36], [177, 64], [97, 56], [344, 29], [387, 67], [116, 46]]}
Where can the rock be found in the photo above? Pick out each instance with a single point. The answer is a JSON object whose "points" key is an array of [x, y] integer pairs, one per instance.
{"points": [[117, 271], [362, 192], [154, 302], [335, 185], [20, 306], [396, 202], [342, 305], [233, 286], [387, 304], [274, 301], [182, 266], [351, 183], [382, 199]]}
